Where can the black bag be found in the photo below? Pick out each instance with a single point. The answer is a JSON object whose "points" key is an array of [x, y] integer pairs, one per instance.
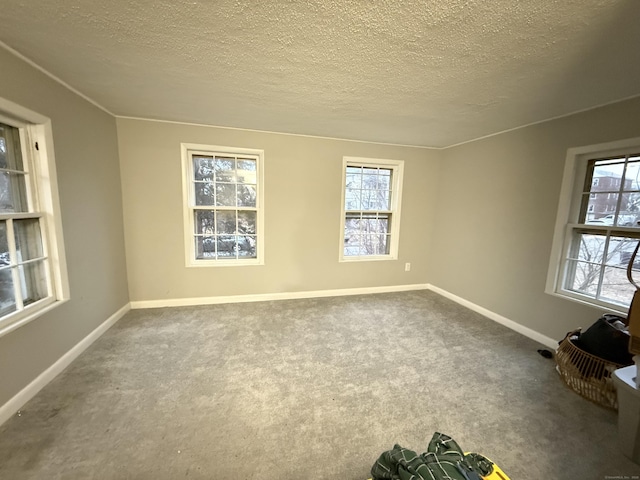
{"points": [[605, 341]]}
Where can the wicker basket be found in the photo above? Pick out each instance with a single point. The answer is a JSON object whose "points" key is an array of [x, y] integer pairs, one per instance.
{"points": [[586, 374]]}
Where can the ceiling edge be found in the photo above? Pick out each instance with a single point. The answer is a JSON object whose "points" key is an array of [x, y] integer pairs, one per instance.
{"points": [[576, 112], [279, 133], [53, 77]]}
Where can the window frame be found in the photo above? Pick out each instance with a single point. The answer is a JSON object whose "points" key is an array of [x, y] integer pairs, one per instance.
{"points": [[189, 207], [36, 142], [568, 216], [397, 168]]}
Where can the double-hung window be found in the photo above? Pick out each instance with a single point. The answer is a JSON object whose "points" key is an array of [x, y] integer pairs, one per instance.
{"points": [[598, 226], [32, 266], [223, 214], [372, 193]]}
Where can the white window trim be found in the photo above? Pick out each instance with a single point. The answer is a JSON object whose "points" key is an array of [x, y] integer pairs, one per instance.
{"points": [[37, 128], [187, 201], [396, 203], [568, 209]]}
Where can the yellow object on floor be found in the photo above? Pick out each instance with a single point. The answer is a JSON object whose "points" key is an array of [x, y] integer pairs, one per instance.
{"points": [[496, 473]]}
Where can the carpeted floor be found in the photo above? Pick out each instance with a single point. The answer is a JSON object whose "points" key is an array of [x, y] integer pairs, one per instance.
{"points": [[306, 389]]}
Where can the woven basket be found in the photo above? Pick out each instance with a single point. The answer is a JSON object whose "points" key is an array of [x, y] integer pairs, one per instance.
{"points": [[586, 374]]}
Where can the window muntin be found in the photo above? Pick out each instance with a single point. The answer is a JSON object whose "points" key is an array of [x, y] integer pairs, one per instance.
{"points": [[26, 284], [602, 228], [223, 216], [371, 209]]}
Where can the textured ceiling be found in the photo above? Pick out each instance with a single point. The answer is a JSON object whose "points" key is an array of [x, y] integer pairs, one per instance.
{"points": [[416, 72]]}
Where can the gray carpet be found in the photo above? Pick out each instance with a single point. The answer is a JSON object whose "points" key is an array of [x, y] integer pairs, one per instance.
{"points": [[306, 389]]}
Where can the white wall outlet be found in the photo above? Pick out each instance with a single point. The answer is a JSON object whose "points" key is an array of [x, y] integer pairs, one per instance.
{"points": [[407, 267]]}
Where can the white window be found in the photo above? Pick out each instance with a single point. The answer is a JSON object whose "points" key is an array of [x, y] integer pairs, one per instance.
{"points": [[597, 232], [372, 191], [33, 276], [223, 205]]}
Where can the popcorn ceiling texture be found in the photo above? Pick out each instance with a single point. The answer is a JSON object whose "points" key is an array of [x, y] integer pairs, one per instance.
{"points": [[428, 73]]}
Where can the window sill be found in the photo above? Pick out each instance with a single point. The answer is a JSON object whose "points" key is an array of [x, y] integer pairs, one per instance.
{"points": [[590, 302], [18, 319], [368, 258], [224, 263]]}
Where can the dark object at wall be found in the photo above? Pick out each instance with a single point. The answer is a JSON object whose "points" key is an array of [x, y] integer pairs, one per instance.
{"points": [[545, 353], [607, 338]]}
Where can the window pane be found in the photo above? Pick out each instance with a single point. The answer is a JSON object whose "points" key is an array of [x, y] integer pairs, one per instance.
{"points": [[370, 178], [205, 247], [226, 246], [352, 224], [226, 194], [589, 248], [374, 225], [225, 169], [366, 244], [620, 251], [383, 225], [204, 222], [352, 245], [607, 175], [599, 205], [375, 200], [205, 193], [583, 277], [625, 258], [247, 246], [632, 176], [603, 204], [351, 250], [33, 279], [615, 286], [375, 244], [246, 196], [5, 259], [13, 194], [10, 151], [384, 179], [247, 222], [7, 295], [226, 222], [247, 172], [203, 168], [352, 199], [28, 239], [3, 149], [354, 179]]}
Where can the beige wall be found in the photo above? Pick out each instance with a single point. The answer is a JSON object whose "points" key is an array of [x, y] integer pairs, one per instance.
{"points": [[91, 203], [498, 199], [303, 180]]}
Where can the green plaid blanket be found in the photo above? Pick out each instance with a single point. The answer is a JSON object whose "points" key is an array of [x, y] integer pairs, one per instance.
{"points": [[443, 460]]}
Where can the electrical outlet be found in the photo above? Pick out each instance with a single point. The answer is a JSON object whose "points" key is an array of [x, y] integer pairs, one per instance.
{"points": [[407, 267]]}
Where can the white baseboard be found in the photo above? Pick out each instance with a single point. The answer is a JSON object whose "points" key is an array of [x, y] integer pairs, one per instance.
{"points": [[262, 297], [527, 332], [27, 393]]}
